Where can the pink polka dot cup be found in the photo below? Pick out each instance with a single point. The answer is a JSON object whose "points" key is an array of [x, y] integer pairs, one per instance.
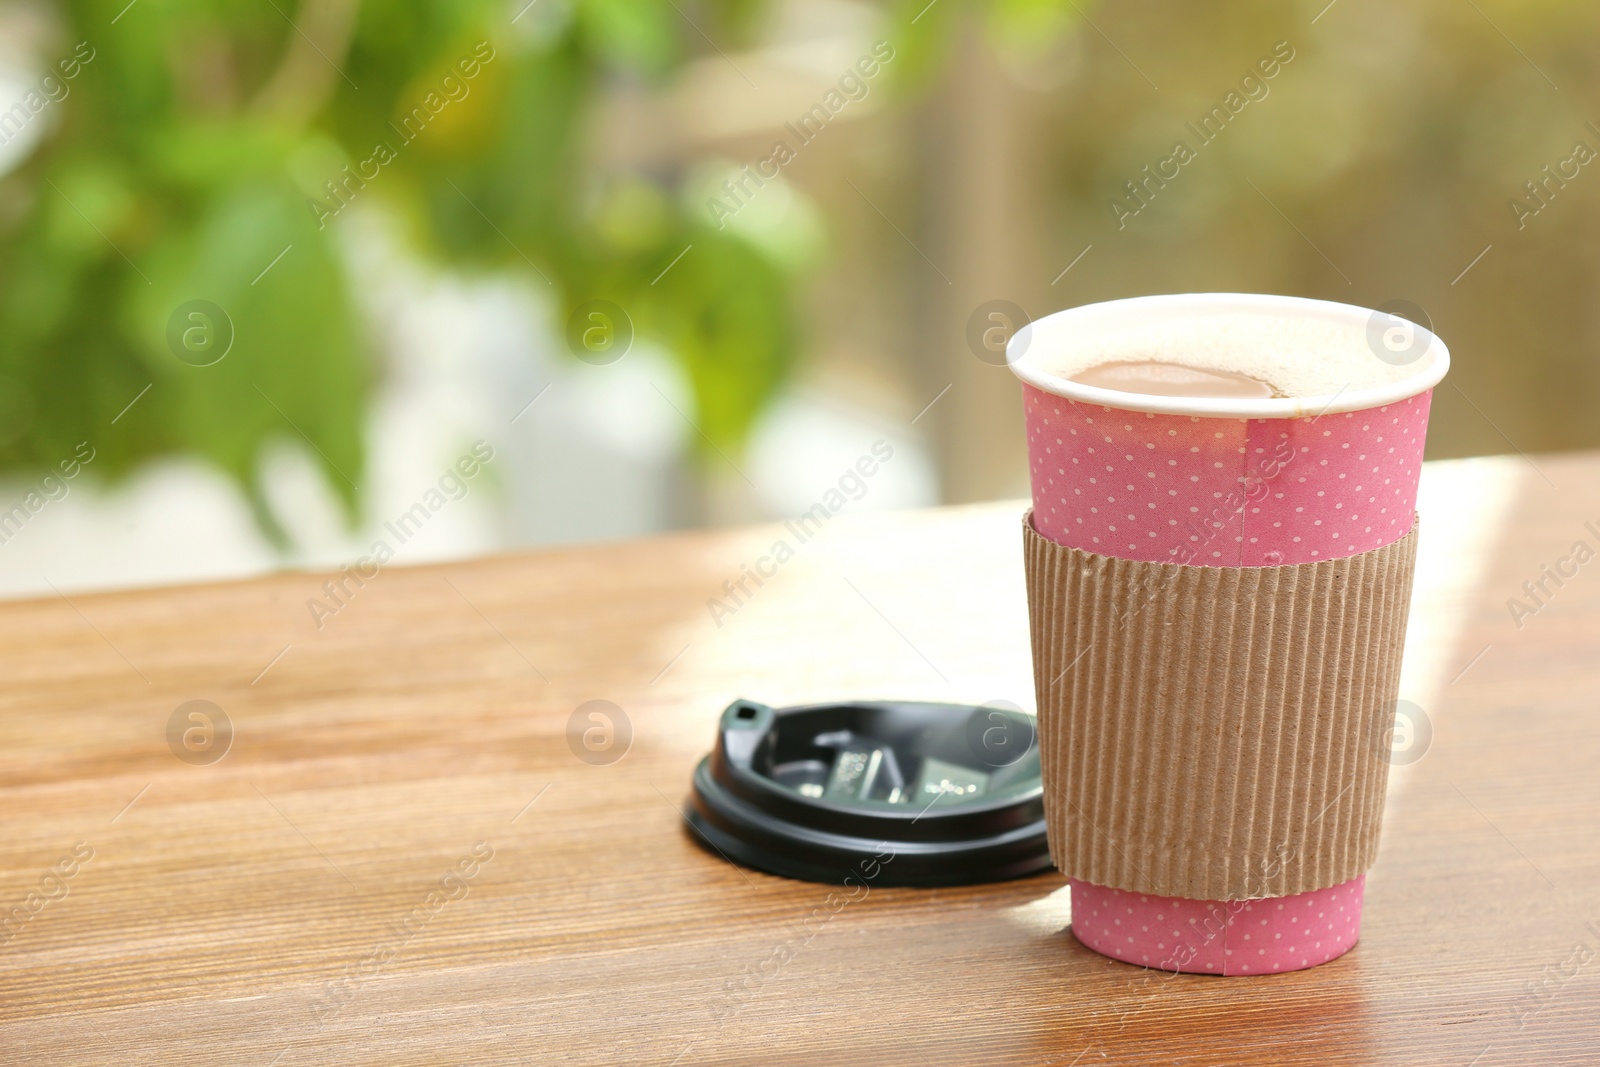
{"points": [[1325, 469]]}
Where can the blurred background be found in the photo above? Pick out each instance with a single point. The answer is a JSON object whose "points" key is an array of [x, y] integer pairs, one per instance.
{"points": [[275, 276]]}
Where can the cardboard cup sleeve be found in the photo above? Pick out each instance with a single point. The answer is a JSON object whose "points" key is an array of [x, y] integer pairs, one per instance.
{"points": [[1214, 732]]}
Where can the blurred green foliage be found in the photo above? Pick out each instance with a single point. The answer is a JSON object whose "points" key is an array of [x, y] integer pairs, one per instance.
{"points": [[206, 150], [197, 146], [199, 136]]}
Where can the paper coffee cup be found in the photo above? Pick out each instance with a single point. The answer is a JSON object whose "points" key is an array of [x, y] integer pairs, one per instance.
{"points": [[1327, 472]]}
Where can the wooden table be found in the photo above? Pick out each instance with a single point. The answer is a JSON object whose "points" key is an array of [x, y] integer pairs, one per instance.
{"points": [[291, 902]]}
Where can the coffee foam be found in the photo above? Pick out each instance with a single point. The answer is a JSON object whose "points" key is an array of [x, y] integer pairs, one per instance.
{"points": [[1298, 354]]}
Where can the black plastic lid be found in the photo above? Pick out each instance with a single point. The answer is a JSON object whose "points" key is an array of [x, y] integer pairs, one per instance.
{"points": [[895, 793]]}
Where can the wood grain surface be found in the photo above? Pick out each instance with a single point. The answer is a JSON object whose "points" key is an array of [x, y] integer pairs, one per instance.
{"points": [[401, 859]]}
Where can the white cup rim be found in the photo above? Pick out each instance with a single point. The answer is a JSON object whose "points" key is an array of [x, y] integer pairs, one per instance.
{"points": [[1033, 340]]}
